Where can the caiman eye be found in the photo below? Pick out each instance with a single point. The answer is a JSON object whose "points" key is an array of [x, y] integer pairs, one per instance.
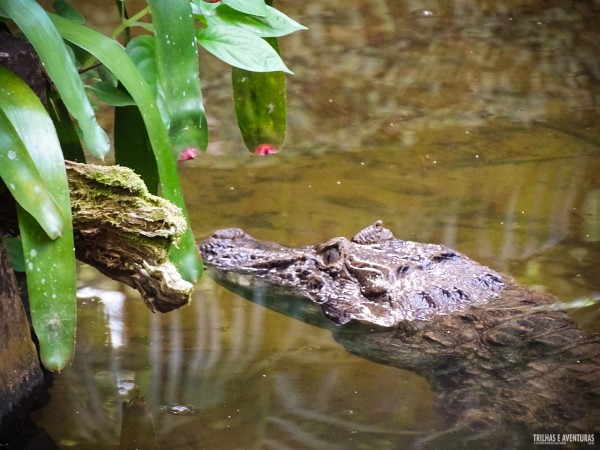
{"points": [[229, 233], [330, 255]]}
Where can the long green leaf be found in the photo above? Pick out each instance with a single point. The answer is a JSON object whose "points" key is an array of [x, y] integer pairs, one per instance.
{"points": [[177, 68], [114, 57], [49, 264], [260, 107], [35, 24], [132, 146], [24, 181], [17, 167], [67, 134], [109, 94]]}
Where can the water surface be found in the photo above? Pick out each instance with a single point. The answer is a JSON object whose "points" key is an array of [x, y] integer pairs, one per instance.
{"points": [[469, 123]]}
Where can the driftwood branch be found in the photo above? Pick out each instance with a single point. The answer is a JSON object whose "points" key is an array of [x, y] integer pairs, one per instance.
{"points": [[122, 230], [125, 232]]}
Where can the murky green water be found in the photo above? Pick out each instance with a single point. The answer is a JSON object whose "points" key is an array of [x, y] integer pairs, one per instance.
{"points": [[470, 123]]}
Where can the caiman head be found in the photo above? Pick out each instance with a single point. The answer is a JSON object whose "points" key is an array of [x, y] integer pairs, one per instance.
{"points": [[373, 277]]}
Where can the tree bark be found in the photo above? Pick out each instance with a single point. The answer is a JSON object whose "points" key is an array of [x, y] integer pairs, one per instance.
{"points": [[20, 373]]}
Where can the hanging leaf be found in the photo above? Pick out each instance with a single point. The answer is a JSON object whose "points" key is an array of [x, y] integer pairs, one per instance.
{"points": [[113, 56], [68, 12], [132, 146], [49, 261], [17, 168], [67, 134], [177, 69], [33, 21], [260, 108]]}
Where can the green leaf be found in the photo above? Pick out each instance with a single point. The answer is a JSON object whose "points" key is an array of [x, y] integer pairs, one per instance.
{"points": [[260, 107], [254, 7], [67, 134], [24, 181], [132, 146], [142, 51], [39, 30], [51, 277], [177, 68], [49, 264], [15, 253], [17, 168], [202, 8], [108, 93], [68, 12], [113, 56], [273, 24], [241, 48]]}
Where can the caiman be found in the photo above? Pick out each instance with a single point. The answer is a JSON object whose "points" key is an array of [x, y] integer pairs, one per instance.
{"points": [[504, 361]]}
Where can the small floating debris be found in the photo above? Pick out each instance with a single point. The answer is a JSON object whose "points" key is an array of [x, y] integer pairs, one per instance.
{"points": [[179, 410]]}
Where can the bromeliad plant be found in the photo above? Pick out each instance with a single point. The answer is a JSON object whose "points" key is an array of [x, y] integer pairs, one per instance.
{"points": [[153, 82]]}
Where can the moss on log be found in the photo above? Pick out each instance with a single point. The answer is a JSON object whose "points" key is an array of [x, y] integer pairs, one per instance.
{"points": [[126, 232], [122, 230]]}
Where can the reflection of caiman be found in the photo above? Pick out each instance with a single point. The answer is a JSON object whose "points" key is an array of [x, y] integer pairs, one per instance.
{"points": [[499, 356]]}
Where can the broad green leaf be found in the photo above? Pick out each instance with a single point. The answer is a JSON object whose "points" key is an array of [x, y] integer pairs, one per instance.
{"points": [[142, 51], [49, 264], [241, 48], [113, 56], [254, 7], [17, 168], [202, 8], [273, 24], [108, 93], [33, 21], [177, 68]]}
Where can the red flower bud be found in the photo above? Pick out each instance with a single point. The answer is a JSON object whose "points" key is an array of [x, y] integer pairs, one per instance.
{"points": [[265, 149], [188, 153]]}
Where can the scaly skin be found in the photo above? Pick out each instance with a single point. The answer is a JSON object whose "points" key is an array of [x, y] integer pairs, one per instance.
{"points": [[501, 357]]}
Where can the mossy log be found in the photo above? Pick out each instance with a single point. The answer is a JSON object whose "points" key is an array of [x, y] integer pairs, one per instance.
{"points": [[125, 232], [122, 230]]}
